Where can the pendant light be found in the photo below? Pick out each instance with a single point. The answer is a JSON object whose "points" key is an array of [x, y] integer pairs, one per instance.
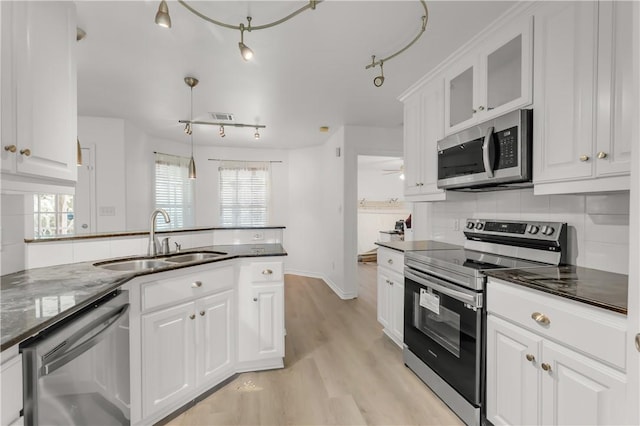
{"points": [[78, 153], [191, 82]]}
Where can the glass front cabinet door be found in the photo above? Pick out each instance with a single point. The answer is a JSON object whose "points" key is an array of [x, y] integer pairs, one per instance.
{"points": [[495, 77]]}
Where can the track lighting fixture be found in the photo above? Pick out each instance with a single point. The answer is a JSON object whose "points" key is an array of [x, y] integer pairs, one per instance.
{"points": [[162, 17], [256, 134], [245, 51], [221, 132], [191, 82]]}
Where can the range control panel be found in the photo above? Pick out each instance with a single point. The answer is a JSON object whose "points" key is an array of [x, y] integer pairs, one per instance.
{"points": [[548, 231]]}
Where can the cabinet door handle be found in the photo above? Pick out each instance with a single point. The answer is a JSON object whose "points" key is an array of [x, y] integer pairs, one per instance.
{"points": [[26, 152], [202, 313], [481, 108], [638, 342], [546, 367], [531, 358], [10, 148], [584, 158], [255, 299], [196, 284], [602, 155], [390, 261], [267, 272], [390, 282], [540, 318], [474, 110], [192, 316]]}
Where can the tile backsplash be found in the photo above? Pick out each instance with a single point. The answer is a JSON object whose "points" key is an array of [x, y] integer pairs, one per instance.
{"points": [[598, 225]]}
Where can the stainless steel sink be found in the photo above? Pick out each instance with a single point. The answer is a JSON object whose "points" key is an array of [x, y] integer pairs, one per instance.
{"points": [[134, 265], [193, 257]]}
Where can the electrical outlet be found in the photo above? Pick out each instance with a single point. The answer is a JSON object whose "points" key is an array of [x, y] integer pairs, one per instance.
{"points": [[257, 236]]}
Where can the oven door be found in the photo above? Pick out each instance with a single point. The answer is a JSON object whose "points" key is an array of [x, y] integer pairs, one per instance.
{"points": [[443, 327]]}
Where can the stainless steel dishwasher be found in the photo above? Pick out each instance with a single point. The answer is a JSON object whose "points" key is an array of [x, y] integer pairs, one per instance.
{"points": [[77, 373]]}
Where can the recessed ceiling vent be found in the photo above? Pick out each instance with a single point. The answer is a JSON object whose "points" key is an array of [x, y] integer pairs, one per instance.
{"points": [[222, 116]]}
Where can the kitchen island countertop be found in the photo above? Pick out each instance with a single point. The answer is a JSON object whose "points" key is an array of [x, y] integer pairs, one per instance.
{"points": [[35, 299]]}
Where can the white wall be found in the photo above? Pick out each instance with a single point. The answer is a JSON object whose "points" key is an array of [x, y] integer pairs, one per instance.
{"points": [[598, 225], [107, 137]]}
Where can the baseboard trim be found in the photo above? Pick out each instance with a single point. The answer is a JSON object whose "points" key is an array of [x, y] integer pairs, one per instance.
{"points": [[332, 285]]}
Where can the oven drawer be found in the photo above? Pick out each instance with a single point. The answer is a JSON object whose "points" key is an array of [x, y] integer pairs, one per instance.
{"points": [[391, 259], [594, 331]]}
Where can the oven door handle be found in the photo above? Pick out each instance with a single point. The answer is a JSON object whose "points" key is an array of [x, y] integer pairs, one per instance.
{"points": [[106, 322], [488, 152], [443, 287]]}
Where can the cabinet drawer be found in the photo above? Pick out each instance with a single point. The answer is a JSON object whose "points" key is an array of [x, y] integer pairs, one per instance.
{"points": [[594, 331], [173, 290], [391, 259], [266, 271]]}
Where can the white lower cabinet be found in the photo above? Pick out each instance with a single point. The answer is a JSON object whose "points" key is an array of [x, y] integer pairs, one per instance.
{"points": [[261, 315], [215, 336], [391, 293], [11, 386], [537, 374]]}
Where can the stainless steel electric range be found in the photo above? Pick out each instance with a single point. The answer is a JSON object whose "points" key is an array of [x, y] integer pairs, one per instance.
{"points": [[444, 315]]}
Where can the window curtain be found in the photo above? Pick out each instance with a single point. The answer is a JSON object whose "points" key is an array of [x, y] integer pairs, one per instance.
{"points": [[244, 193], [174, 191]]}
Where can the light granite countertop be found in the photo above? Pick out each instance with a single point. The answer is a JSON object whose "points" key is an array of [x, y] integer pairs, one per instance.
{"points": [[35, 299]]}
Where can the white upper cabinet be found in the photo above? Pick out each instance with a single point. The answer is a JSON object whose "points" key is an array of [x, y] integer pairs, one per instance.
{"points": [[39, 95], [492, 78], [422, 130], [583, 104]]}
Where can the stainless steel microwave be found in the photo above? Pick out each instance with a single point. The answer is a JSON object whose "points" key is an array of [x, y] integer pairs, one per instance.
{"points": [[489, 156]]}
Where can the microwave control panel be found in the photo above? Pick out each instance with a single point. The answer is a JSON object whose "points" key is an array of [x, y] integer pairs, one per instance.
{"points": [[507, 148]]}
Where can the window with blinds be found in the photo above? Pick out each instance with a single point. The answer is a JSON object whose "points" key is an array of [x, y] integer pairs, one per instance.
{"points": [[174, 191], [244, 193]]}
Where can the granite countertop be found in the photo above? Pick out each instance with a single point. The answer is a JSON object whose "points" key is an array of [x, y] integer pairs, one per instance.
{"points": [[417, 245], [603, 289], [34, 299]]}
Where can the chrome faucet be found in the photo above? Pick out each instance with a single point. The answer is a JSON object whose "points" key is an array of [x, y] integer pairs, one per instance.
{"points": [[153, 243]]}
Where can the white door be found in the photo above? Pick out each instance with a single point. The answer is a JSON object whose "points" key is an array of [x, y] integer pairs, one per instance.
{"points": [[384, 298], [84, 199], [577, 390], [214, 336], [513, 357], [168, 356], [397, 307]]}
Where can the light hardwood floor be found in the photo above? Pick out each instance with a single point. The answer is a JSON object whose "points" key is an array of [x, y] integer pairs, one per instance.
{"points": [[339, 369]]}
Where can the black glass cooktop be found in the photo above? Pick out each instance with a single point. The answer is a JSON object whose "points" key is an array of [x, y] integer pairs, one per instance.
{"points": [[470, 260]]}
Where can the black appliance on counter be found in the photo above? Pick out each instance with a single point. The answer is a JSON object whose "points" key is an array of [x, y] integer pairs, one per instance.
{"points": [[492, 155], [444, 309]]}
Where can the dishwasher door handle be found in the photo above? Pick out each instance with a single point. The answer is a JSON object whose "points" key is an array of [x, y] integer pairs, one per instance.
{"points": [[105, 322]]}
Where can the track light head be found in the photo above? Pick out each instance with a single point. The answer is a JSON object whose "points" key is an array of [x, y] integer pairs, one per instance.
{"points": [[245, 51], [256, 134], [187, 129], [221, 132], [379, 80], [162, 17]]}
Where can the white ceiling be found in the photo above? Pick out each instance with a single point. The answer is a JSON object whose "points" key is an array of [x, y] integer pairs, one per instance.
{"points": [[306, 73]]}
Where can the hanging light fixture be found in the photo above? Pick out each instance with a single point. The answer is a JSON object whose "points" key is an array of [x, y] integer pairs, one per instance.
{"points": [[191, 82], [162, 17], [245, 51], [78, 153], [256, 134]]}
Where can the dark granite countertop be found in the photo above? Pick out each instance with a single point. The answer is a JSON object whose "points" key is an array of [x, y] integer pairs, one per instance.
{"points": [[598, 288], [33, 300], [417, 245]]}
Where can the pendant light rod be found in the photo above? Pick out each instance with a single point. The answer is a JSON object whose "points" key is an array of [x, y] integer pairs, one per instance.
{"points": [[311, 5], [211, 123]]}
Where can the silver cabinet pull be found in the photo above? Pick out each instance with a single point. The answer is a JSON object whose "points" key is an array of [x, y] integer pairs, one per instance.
{"points": [[390, 261], [602, 155], [196, 284], [531, 358], [546, 367], [255, 299], [26, 152], [267, 272], [638, 342], [192, 316], [480, 108], [10, 148], [202, 313], [584, 158], [540, 318]]}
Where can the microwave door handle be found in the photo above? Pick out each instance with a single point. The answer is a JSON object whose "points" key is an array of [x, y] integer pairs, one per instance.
{"points": [[75, 352], [488, 152]]}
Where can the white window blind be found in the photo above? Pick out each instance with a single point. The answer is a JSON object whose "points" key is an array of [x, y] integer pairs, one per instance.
{"points": [[244, 193], [174, 191]]}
